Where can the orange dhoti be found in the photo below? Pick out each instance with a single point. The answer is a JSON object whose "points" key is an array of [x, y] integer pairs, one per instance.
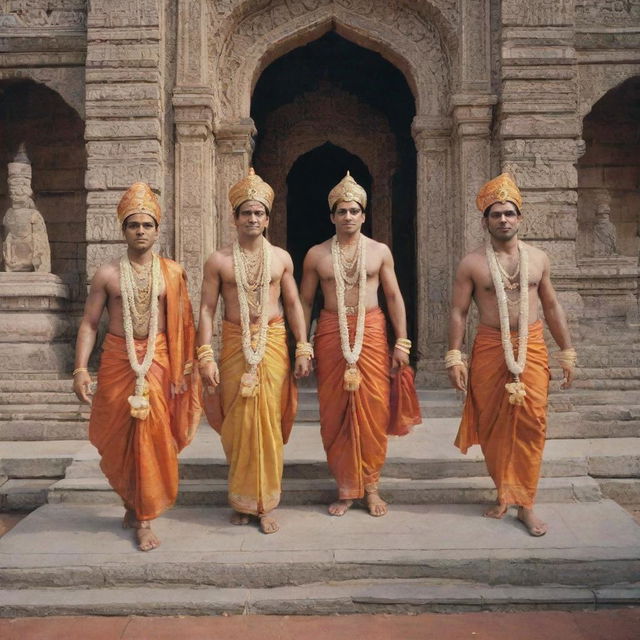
{"points": [[511, 436], [140, 457], [353, 424], [253, 430]]}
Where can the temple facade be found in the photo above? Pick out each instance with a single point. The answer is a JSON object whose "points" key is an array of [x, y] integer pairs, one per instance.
{"points": [[422, 100]]}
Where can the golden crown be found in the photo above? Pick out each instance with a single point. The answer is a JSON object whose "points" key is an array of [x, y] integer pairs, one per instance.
{"points": [[501, 189], [253, 187], [139, 198], [347, 190]]}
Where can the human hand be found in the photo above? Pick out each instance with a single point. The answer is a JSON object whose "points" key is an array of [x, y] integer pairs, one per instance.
{"points": [[82, 386], [458, 375], [302, 367]]}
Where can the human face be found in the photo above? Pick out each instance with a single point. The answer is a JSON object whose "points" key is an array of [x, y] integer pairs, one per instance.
{"points": [[251, 219], [140, 232], [348, 218], [502, 221]]}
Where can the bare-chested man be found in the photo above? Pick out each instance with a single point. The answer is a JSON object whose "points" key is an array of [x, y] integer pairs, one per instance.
{"points": [[507, 384], [351, 347], [146, 407], [255, 399]]}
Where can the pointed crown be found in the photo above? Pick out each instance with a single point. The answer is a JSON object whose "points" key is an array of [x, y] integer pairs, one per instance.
{"points": [[253, 187], [139, 198], [347, 190], [501, 189]]}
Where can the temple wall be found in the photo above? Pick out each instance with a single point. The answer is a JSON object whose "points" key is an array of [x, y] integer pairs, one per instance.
{"points": [[162, 90]]}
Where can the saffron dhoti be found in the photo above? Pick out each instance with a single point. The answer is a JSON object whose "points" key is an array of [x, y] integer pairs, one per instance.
{"points": [[353, 424], [254, 429], [511, 436], [140, 457]]}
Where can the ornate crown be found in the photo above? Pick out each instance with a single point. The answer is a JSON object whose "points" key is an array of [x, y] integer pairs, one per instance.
{"points": [[139, 198], [347, 190], [501, 189], [253, 187]]}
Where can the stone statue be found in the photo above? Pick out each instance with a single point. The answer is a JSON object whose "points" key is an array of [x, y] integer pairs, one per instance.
{"points": [[26, 244], [604, 231]]}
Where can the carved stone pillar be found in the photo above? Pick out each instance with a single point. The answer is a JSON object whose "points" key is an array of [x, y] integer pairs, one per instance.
{"points": [[195, 228], [234, 146], [472, 118], [433, 221]]}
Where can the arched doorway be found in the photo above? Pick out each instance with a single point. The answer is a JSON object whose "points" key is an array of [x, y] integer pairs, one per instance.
{"points": [[52, 133], [318, 116]]}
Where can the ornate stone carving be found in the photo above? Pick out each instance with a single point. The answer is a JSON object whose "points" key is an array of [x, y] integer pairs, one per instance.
{"points": [[44, 13], [538, 12], [610, 12], [391, 25], [604, 231], [26, 244]]}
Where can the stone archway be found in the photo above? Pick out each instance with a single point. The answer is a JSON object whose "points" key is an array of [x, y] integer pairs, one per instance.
{"points": [[223, 49], [58, 157]]}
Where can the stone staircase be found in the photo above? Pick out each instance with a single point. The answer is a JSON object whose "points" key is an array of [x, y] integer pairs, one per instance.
{"points": [[432, 552]]}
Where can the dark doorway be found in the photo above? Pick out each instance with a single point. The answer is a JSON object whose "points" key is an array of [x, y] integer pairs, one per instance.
{"points": [[311, 178], [308, 83]]}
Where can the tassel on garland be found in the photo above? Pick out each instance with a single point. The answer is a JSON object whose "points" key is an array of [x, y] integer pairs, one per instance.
{"points": [[249, 384], [516, 391], [352, 378], [139, 402]]}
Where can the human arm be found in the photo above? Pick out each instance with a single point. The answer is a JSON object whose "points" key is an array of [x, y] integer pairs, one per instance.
{"points": [[295, 315], [87, 332], [308, 286], [208, 305], [395, 306], [556, 319], [460, 303]]}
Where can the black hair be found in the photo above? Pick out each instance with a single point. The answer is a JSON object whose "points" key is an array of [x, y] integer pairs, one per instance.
{"points": [[485, 213], [124, 222], [236, 211]]}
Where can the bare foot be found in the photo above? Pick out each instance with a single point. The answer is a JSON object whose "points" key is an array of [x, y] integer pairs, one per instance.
{"points": [[339, 507], [498, 511], [239, 519], [268, 524], [147, 539], [530, 520], [375, 504]]}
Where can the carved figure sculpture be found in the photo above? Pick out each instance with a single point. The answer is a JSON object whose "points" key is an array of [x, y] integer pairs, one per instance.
{"points": [[26, 244], [604, 231]]}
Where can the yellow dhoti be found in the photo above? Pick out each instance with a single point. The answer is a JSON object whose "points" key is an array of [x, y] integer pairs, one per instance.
{"points": [[253, 430]]}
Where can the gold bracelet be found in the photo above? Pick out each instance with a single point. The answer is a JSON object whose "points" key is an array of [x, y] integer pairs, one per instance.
{"points": [[405, 342], [403, 349], [568, 357], [454, 358], [79, 370], [204, 351], [304, 350]]}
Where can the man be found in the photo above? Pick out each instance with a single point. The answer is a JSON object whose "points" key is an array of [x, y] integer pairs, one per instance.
{"points": [[351, 347], [146, 407], [508, 380], [252, 399]]}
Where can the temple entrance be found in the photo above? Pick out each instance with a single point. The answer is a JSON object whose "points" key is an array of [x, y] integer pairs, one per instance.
{"points": [[323, 109]]}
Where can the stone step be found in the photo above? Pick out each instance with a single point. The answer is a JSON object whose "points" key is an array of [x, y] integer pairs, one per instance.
{"points": [[38, 398], [29, 385], [323, 491], [596, 422], [43, 430], [24, 495], [390, 596], [589, 544], [74, 411], [622, 490], [594, 397]]}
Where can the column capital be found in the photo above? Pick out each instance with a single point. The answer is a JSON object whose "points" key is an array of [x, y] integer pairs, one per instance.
{"points": [[431, 133], [236, 137], [472, 113], [193, 112]]}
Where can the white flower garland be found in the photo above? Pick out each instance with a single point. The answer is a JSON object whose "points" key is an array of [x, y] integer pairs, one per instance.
{"points": [[139, 401], [516, 389], [351, 355], [253, 357]]}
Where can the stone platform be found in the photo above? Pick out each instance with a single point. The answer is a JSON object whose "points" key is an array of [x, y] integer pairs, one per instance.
{"points": [[76, 559]]}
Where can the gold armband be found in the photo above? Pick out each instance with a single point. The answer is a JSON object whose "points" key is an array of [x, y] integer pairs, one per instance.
{"points": [[404, 345], [79, 370]]}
